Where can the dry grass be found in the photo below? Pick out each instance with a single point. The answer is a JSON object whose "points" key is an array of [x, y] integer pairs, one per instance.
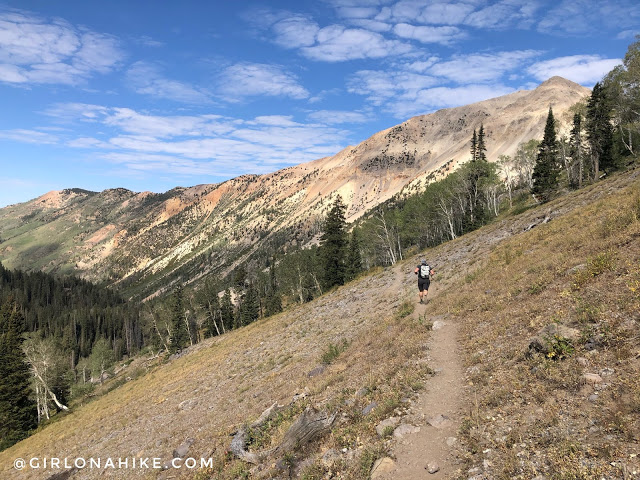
{"points": [[533, 414], [225, 382], [527, 415]]}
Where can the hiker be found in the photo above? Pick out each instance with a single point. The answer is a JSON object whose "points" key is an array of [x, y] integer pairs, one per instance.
{"points": [[424, 272]]}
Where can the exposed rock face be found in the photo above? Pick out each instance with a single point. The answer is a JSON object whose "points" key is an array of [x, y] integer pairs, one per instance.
{"points": [[144, 241]]}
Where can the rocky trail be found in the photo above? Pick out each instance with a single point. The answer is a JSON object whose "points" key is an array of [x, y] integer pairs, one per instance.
{"points": [[426, 438]]}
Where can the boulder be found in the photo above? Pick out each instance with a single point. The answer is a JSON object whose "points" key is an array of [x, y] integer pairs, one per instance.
{"points": [[541, 343], [389, 422]]}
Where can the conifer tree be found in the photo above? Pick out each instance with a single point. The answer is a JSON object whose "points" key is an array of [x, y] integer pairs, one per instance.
{"points": [[333, 244], [576, 152], [226, 310], [481, 147], [474, 146], [18, 414], [545, 172], [179, 334], [250, 307], [599, 131], [273, 301]]}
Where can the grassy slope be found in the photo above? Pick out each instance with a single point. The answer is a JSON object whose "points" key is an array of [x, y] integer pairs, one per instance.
{"points": [[526, 415], [532, 415]]}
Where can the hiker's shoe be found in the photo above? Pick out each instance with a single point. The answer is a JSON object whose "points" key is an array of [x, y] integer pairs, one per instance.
{"points": [[421, 301]]}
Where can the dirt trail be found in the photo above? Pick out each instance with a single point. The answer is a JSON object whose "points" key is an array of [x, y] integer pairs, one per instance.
{"points": [[437, 410]]}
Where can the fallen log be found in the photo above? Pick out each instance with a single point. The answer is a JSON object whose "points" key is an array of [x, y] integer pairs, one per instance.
{"points": [[307, 427]]}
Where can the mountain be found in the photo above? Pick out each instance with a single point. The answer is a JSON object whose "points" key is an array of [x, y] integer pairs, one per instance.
{"points": [[142, 242], [569, 412]]}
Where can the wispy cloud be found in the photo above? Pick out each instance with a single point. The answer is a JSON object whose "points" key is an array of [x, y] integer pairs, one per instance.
{"points": [[382, 86], [335, 117], [147, 79], [251, 79], [429, 34], [28, 136], [583, 69], [336, 43], [200, 144], [485, 67], [36, 51], [578, 17]]}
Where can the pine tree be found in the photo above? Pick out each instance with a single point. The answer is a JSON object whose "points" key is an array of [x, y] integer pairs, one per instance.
{"points": [[226, 310], [576, 152], [481, 147], [599, 131], [354, 257], [474, 146], [179, 334], [545, 172], [273, 301], [333, 244], [18, 413], [250, 307]]}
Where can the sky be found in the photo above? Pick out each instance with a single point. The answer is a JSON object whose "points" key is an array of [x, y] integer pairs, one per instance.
{"points": [[150, 95]]}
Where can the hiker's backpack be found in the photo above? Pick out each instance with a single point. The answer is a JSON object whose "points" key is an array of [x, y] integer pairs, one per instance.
{"points": [[424, 271]]}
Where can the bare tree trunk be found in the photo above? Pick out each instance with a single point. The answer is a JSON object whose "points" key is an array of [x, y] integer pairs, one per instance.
{"points": [[629, 146], [213, 316], [186, 323], [162, 339]]}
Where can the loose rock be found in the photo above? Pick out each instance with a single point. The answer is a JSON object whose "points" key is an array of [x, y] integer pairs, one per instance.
{"points": [[369, 408], [437, 325], [389, 422], [382, 466], [438, 421], [432, 468], [405, 429], [592, 378]]}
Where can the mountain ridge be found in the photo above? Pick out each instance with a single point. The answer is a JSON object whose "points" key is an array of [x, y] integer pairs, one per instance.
{"points": [[142, 240]]}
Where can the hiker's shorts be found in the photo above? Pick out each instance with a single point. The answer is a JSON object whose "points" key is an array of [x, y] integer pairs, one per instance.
{"points": [[423, 284]]}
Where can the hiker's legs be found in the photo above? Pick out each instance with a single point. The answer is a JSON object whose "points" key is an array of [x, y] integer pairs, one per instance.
{"points": [[421, 290]]}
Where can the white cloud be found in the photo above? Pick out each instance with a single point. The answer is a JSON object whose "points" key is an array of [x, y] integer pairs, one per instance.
{"points": [[147, 79], [76, 111], [373, 25], [446, 13], [149, 41], [504, 14], [577, 17], [251, 79], [382, 87], [583, 69], [627, 34], [336, 43], [428, 100], [200, 144], [28, 136], [155, 126], [334, 117], [33, 50], [429, 34], [295, 31], [481, 67]]}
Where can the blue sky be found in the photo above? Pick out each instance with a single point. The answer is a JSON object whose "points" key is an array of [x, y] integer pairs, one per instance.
{"points": [[149, 95]]}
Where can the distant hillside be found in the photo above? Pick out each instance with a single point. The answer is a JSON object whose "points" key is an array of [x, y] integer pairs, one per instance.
{"points": [[360, 351], [143, 242]]}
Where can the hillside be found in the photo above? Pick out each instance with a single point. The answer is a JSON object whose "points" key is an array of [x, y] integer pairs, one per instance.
{"points": [[143, 242], [568, 412]]}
